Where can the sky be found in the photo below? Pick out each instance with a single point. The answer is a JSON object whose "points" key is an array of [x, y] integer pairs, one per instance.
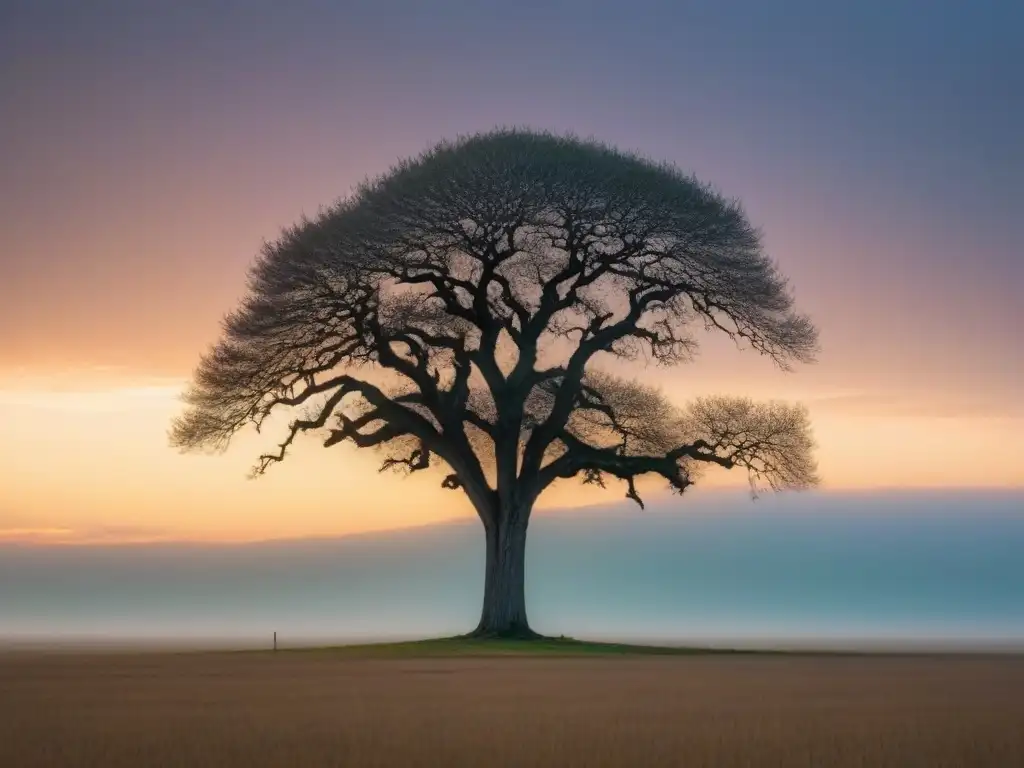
{"points": [[147, 149]]}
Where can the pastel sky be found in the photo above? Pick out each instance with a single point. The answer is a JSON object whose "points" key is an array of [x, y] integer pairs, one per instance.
{"points": [[148, 148]]}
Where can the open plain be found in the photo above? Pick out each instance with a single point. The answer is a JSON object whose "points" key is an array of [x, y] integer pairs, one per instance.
{"points": [[314, 708]]}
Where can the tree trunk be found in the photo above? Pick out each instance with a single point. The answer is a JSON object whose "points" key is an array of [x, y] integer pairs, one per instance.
{"points": [[504, 609]]}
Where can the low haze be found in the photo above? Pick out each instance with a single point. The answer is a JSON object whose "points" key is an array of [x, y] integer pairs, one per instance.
{"points": [[905, 569]]}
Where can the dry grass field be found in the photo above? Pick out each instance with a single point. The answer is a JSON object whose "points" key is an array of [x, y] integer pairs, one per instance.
{"points": [[331, 709]]}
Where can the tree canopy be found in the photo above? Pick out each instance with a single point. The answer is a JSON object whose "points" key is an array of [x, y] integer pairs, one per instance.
{"points": [[457, 311]]}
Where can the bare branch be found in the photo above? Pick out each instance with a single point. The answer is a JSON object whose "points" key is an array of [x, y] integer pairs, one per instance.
{"points": [[418, 312]]}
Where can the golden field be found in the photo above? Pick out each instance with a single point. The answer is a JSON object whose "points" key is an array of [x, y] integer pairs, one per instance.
{"points": [[335, 709]]}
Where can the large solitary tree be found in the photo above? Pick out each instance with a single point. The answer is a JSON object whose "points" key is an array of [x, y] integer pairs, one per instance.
{"points": [[456, 312]]}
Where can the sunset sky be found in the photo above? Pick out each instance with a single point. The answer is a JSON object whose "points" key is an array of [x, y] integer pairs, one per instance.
{"points": [[148, 148]]}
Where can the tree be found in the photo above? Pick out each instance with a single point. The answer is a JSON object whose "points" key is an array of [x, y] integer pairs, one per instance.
{"points": [[455, 312]]}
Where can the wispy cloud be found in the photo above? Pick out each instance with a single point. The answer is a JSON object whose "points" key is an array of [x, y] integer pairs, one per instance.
{"points": [[80, 377], [95, 534], [31, 535], [119, 398], [914, 404]]}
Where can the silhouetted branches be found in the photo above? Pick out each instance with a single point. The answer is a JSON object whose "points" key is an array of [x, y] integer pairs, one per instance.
{"points": [[420, 317]]}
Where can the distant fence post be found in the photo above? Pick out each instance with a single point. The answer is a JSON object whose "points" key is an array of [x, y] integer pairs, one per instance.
{"points": [[275, 641]]}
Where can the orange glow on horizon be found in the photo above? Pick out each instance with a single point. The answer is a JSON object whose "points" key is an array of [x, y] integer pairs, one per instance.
{"points": [[91, 465]]}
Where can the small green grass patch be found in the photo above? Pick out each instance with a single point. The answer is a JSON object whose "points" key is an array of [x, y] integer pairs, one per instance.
{"points": [[469, 646]]}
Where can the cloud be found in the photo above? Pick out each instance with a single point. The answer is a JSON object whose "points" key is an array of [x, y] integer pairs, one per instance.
{"points": [[95, 534], [915, 404], [120, 398], [30, 535], [80, 378]]}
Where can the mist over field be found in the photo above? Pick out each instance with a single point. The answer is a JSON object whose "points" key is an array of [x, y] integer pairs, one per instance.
{"points": [[935, 569]]}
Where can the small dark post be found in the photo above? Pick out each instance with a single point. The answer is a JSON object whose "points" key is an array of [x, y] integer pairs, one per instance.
{"points": [[275, 641]]}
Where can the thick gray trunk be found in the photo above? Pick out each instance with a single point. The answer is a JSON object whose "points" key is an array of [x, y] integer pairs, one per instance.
{"points": [[504, 609]]}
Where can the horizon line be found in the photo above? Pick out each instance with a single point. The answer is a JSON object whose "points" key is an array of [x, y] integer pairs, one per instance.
{"points": [[49, 537]]}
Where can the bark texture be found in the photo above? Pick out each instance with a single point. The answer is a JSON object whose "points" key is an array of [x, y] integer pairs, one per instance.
{"points": [[504, 606]]}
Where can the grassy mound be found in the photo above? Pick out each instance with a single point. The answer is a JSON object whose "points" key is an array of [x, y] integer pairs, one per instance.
{"points": [[470, 646]]}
